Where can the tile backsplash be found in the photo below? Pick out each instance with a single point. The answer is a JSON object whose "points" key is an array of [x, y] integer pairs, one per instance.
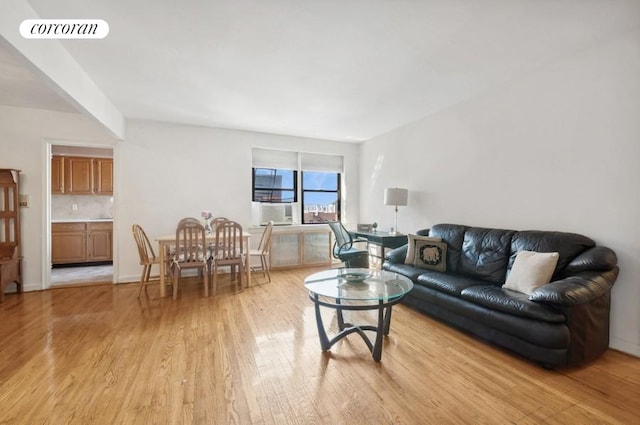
{"points": [[62, 207]]}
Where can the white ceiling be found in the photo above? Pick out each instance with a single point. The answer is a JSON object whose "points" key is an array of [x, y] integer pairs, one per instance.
{"points": [[343, 70]]}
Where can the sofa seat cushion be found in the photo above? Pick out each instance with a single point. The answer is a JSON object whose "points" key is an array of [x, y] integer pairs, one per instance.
{"points": [[511, 302], [469, 315], [447, 282], [407, 270]]}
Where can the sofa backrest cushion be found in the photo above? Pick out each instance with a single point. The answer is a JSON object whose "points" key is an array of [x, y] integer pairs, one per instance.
{"points": [[568, 245], [453, 235], [485, 254]]}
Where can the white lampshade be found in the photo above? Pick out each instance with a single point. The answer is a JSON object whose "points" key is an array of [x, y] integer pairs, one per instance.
{"points": [[395, 196]]}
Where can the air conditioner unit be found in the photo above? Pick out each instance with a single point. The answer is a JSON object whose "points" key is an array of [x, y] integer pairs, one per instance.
{"points": [[280, 214]]}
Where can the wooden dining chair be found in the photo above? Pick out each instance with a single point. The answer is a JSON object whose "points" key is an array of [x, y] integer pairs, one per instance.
{"points": [[263, 252], [228, 250], [190, 252], [215, 221], [146, 254]]}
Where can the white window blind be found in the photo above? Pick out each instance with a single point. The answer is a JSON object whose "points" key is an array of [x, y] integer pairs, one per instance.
{"points": [[321, 162], [271, 158], [288, 160]]}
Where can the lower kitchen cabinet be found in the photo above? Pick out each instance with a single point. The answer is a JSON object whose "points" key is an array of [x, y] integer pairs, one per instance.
{"points": [[81, 242], [99, 239]]}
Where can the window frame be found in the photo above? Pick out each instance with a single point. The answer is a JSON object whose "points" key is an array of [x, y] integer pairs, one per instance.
{"points": [[337, 191], [293, 189]]}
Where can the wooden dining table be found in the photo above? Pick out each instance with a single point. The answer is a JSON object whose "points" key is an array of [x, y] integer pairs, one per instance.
{"points": [[166, 241]]}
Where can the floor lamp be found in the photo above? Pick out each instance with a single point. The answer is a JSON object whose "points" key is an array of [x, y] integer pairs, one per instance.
{"points": [[396, 197]]}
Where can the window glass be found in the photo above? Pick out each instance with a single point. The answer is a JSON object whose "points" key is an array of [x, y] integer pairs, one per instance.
{"points": [[320, 197], [274, 185]]}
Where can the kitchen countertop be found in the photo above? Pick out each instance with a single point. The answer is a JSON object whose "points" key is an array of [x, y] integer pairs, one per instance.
{"points": [[81, 220]]}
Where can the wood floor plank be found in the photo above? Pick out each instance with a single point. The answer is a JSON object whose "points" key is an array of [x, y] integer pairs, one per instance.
{"points": [[97, 354]]}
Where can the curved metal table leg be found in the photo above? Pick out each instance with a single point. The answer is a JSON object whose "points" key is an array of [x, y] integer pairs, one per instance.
{"points": [[381, 330]]}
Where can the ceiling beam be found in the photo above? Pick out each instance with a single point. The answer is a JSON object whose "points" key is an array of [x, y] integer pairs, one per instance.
{"points": [[53, 62]]}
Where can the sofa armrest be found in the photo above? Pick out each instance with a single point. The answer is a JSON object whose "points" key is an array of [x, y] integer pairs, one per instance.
{"points": [[397, 255], [598, 258], [578, 289]]}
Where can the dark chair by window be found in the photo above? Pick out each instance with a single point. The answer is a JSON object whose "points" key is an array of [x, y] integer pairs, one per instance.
{"points": [[343, 248]]}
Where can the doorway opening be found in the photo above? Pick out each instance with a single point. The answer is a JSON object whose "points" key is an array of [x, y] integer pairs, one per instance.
{"points": [[81, 215]]}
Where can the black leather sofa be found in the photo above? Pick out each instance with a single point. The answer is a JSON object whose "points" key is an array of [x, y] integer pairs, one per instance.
{"points": [[562, 323]]}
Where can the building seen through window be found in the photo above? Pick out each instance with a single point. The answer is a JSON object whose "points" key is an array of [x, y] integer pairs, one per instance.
{"points": [[320, 197], [274, 185]]}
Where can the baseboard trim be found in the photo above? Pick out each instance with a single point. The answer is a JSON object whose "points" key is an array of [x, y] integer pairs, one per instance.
{"points": [[625, 346]]}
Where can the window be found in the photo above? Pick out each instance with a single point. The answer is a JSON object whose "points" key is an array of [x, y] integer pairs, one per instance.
{"points": [[320, 197], [275, 176], [274, 185]]}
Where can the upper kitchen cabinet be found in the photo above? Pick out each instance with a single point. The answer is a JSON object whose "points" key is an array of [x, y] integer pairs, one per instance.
{"points": [[79, 175], [103, 176], [57, 175]]}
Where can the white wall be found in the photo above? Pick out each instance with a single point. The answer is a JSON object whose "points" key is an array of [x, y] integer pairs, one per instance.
{"points": [[167, 172], [557, 149], [163, 172], [23, 134]]}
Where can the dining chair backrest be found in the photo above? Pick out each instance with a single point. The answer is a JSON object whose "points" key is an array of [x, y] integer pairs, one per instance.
{"points": [[146, 255], [218, 220], [228, 244], [262, 252], [215, 221], [145, 249], [265, 241], [190, 252], [190, 242]]}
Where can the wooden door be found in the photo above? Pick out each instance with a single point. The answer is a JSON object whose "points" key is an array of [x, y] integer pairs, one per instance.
{"points": [[57, 175], [103, 176], [78, 175]]}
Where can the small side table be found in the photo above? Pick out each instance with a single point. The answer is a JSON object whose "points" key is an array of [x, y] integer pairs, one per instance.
{"points": [[378, 243], [357, 289]]}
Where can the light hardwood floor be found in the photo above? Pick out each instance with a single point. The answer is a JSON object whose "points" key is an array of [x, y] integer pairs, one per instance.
{"points": [[98, 355]]}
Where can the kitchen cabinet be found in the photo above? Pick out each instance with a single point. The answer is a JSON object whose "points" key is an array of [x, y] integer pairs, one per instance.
{"points": [[68, 243], [57, 175], [99, 247], [81, 242], [78, 175], [103, 176]]}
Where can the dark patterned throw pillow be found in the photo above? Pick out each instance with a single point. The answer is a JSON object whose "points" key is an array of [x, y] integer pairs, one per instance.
{"points": [[431, 255]]}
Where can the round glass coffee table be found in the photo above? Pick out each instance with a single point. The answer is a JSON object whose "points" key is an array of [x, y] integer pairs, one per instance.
{"points": [[357, 289]]}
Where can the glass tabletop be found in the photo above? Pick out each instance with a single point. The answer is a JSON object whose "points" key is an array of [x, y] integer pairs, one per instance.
{"points": [[358, 284]]}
